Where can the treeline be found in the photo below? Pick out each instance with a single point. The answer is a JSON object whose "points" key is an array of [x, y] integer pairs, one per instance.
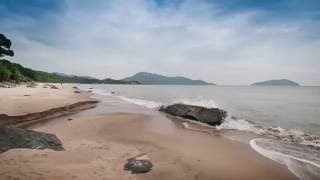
{"points": [[17, 73]]}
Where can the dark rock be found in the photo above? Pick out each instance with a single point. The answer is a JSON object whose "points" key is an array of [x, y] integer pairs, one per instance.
{"points": [[90, 88], [12, 138], [75, 87], [70, 119], [27, 95], [77, 92], [54, 87], [113, 92], [211, 116], [7, 85], [138, 165], [89, 91]]}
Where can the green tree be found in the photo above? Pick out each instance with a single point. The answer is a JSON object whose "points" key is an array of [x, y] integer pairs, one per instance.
{"points": [[5, 45]]}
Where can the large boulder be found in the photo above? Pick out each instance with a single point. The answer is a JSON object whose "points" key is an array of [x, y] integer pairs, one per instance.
{"points": [[11, 138], [211, 116]]}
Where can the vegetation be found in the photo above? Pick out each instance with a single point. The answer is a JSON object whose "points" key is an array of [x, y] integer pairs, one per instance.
{"points": [[16, 73], [150, 78]]}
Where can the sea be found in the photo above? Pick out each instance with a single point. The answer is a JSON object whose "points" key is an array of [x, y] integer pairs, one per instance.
{"points": [[284, 120]]}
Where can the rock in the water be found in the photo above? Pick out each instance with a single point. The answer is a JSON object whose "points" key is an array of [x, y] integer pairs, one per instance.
{"points": [[12, 138], [138, 165], [211, 116]]}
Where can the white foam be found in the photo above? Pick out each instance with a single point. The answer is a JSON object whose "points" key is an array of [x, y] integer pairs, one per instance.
{"points": [[209, 103], [141, 102], [302, 162], [289, 135]]}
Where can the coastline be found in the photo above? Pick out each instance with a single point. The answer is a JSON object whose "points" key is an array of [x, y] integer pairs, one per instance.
{"points": [[97, 146], [26, 106]]}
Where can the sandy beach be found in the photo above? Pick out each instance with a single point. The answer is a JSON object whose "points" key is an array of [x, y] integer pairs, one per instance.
{"points": [[22, 105], [97, 146]]}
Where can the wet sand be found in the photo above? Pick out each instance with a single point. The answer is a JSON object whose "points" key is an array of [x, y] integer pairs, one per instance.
{"points": [[97, 147]]}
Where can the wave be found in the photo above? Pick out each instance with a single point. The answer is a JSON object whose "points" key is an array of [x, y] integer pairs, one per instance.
{"points": [[141, 102], [208, 103], [303, 161], [288, 135]]}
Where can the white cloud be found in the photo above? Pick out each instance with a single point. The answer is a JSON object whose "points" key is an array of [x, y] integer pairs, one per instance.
{"points": [[116, 39]]}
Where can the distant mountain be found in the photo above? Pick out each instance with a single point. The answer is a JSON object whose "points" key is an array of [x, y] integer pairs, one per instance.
{"points": [[15, 72], [150, 78], [278, 82]]}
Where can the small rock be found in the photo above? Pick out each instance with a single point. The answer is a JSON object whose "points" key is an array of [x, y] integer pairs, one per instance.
{"points": [[75, 87], [89, 91], [27, 95], [77, 92], [70, 119], [137, 165], [54, 87], [113, 92]]}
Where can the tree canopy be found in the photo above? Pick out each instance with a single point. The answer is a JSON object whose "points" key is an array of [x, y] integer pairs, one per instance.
{"points": [[5, 45]]}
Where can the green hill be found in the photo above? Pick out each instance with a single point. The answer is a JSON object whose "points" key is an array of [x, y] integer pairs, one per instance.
{"points": [[150, 78], [15, 72]]}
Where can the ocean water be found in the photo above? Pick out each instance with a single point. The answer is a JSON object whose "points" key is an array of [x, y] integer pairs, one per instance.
{"points": [[287, 117]]}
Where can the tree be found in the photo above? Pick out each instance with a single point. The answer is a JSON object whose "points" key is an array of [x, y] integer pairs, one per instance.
{"points": [[5, 45]]}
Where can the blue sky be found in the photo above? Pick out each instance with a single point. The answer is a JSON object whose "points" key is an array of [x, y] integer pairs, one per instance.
{"points": [[226, 42]]}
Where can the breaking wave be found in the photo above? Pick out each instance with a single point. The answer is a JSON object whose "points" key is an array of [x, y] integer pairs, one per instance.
{"points": [[278, 133], [303, 161]]}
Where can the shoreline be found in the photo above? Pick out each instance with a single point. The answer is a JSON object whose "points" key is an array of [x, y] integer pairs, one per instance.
{"points": [[97, 146], [38, 117]]}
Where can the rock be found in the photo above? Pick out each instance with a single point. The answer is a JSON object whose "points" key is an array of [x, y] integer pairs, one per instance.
{"points": [[90, 91], [27, 95], [75, 87], [90, 88], [77, 92], [70, 119], [113, 92], [211, 116], [30, 86], [136, 165], [54, 87], [12, 138], [7, 85]]}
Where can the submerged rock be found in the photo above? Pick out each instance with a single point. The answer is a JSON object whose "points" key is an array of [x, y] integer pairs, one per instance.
{"points": [[12, 138], [211, 116], [136, 165]]}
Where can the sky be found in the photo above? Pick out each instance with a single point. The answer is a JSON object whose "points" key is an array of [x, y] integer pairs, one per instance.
{"points": [[234, 42]]}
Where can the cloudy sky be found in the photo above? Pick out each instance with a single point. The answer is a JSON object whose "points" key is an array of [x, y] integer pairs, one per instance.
{"points": [[226, 42]]}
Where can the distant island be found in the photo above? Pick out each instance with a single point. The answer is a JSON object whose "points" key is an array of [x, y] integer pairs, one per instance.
{"points": [[151, 78], [276, 82]]}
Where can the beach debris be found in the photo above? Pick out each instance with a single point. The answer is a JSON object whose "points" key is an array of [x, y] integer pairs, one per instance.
{"points": [[7, 85], [77, 92], [211, 116], [12, 138], [138, 164], [50, 86], [70, 119], [75, 87], [31, 85], [54, 87]]}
